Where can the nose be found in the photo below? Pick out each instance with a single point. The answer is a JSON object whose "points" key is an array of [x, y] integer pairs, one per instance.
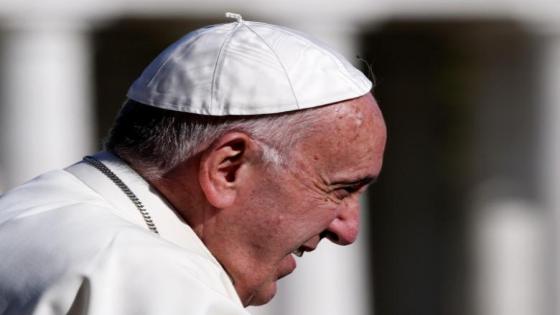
{"points": [[343, 230]]}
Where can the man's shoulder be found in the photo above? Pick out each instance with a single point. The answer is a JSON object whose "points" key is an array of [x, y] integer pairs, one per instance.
{"points": [[56, 219], [55, 229], [58, 215], [47, 192], [116, 261]]}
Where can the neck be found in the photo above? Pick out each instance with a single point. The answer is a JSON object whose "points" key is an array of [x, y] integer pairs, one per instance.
{"points": [[184, 194]]}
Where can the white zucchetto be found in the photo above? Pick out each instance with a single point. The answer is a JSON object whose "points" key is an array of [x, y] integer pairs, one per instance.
{"points": [[247, 68]]}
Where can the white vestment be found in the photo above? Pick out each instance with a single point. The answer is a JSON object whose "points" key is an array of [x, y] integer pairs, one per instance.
{"points": [[71, 242]]}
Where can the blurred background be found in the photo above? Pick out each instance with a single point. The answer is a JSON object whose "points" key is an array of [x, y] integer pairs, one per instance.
{"points": [[465, 217]]}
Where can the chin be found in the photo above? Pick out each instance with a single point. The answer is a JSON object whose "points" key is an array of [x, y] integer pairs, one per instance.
{"points": [[266, 291], [263, 295]]}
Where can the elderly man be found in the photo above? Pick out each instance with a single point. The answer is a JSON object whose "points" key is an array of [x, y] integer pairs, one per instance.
{"points": [[241, 145]]}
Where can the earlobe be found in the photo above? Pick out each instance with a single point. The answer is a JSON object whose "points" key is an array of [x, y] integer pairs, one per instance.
{"points": [[220, 168]]}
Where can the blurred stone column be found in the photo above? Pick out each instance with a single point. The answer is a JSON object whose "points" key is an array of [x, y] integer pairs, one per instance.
{"points": [[550, 152], [507, 223], [509, 247], [45, 115], [332, 280]]}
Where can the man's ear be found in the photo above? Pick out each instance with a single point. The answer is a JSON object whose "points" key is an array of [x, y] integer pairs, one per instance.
{"points": [[221, 166]]}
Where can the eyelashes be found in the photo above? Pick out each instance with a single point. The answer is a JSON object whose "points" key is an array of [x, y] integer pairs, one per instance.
{"points": [[347, 191]]}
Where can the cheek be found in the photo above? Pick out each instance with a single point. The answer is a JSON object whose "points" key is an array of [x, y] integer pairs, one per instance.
{"points": [[288, 210], [315, 215]]}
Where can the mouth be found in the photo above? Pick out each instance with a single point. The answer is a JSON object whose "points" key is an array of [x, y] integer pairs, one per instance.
{"points": [[299, 251], [288, 265], [302, 249]]}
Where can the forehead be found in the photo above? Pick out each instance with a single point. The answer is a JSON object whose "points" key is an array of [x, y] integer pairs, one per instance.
{"points": [[349, 141]]}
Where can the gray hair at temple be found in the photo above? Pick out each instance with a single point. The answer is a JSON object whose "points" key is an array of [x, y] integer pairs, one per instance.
{"points": [[157, 140]]}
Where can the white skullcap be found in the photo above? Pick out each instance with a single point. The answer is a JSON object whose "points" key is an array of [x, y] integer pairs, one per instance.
{"points": [[247, 68]]}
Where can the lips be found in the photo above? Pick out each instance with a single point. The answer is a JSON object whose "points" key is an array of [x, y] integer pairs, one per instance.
{"points": [[304, 248], [298, 252], [287, 266], [291, 262]]}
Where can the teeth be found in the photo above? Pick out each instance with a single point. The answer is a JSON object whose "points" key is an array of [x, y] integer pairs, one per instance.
{"points": [[298, 252]]}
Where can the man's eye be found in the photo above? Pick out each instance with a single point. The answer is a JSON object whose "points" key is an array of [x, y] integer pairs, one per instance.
{"points": [[346, 191]]}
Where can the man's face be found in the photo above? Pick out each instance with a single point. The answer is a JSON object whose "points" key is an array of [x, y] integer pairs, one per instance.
{"points": [[283, 211]]}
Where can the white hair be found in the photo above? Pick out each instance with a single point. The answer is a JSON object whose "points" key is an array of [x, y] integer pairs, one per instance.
{"points": [[158, 140]]}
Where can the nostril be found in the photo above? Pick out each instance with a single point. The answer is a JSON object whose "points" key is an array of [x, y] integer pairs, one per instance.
{"points": [[330, 235]]}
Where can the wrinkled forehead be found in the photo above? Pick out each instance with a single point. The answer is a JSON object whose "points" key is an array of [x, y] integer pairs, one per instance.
{"points": [[351, 137]]}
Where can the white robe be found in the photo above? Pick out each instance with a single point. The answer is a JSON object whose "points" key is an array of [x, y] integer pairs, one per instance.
{"points": [[71, 242]]}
